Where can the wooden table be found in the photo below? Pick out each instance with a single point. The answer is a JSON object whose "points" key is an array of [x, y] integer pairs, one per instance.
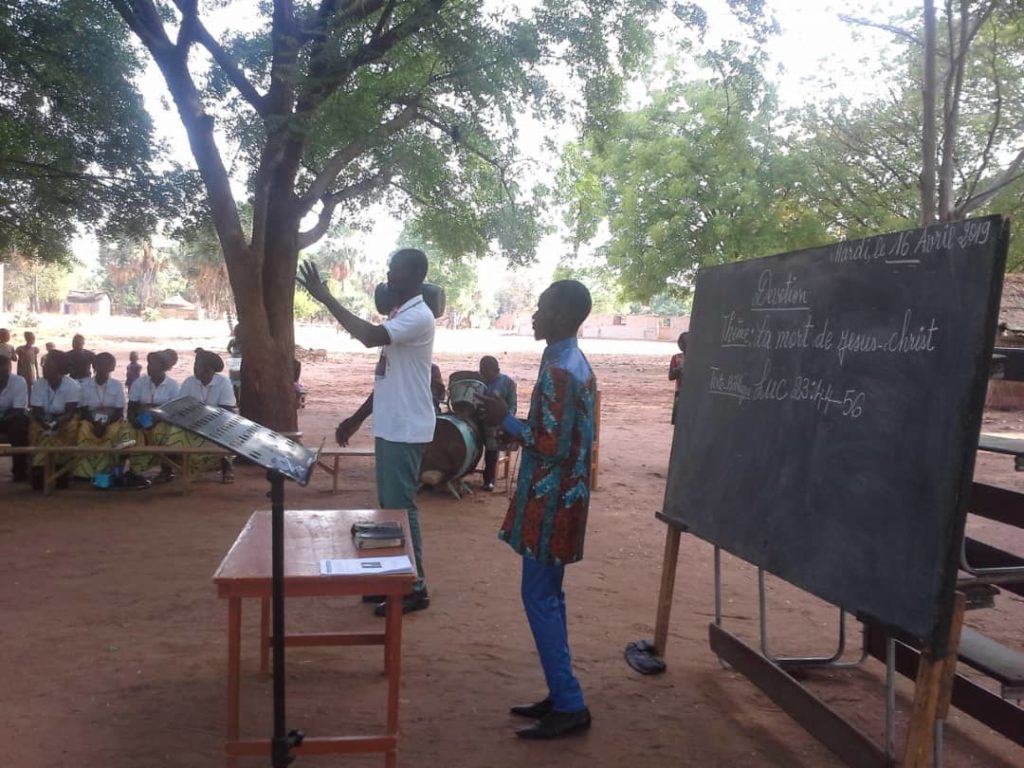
{"points": [[309, 537]]}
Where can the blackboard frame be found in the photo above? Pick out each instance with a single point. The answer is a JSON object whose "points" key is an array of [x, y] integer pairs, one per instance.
{"points": [[953, 519]]}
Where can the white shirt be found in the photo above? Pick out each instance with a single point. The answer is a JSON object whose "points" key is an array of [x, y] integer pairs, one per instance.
{"points": [[146, 392], [403, 408], [218, 392], [110, 394], [53, 401], [15, 394]]}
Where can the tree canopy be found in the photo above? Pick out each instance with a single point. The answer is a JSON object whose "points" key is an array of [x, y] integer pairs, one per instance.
{"points": [[331, 105], [870, 160], [698, 176], [76, 143], [709, 170]]}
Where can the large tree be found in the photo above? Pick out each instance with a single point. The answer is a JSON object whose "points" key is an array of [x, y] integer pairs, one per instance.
{"points": [[76, 144], [135, 274], [948, 138], [336, 103], [697, 176]]}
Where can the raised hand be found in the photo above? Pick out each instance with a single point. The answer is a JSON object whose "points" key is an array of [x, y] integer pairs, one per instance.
{"points": [[309, 278]]}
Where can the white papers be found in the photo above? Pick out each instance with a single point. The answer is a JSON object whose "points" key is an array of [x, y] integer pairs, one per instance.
{"points": [[366, 566]]}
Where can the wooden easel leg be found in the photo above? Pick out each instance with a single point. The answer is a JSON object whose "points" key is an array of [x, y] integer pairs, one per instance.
{"points": [[668, 585], [932, 693]]}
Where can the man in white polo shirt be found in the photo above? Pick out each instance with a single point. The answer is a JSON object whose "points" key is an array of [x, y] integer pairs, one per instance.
{"points": [[401, 403]]}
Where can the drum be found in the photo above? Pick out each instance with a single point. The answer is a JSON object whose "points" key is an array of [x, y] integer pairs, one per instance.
{"points": [[454, 451], [465, 388]]}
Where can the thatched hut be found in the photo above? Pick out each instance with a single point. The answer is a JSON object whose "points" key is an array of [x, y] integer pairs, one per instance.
{"points": [[179, 308]]}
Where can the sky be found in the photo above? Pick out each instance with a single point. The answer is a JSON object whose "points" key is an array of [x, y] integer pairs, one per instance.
{"points": [[813, 46]]}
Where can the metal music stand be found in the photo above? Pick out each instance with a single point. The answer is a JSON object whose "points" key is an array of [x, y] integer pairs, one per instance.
{"points": [[283, 458]]}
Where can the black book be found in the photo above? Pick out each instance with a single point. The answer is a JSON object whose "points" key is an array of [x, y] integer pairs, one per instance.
{"points": [[378, 535]]}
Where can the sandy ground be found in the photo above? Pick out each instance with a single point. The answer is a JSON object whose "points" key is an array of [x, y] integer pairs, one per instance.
{"points": [[113, 643]]}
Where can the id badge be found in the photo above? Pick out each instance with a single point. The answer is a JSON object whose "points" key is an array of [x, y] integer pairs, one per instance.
{"points": [[382, 366]]}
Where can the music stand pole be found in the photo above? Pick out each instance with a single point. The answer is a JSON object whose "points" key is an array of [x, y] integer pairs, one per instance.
{"points": [[284, 459], [283, 741]]}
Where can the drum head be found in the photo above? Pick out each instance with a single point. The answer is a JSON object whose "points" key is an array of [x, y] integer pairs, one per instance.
{"points": [[465, 389]]}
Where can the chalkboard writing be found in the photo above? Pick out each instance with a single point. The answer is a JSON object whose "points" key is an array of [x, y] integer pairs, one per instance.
{"points": [[830, 406]]}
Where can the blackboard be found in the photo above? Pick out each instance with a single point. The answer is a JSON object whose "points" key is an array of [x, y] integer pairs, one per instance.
{"points": [[830, 407]]}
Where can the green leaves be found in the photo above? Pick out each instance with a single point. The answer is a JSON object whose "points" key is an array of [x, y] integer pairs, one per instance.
{"points": [[698, 177], [75, 141]]}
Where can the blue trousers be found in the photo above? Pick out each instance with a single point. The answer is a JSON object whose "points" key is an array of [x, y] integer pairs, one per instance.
{"points": [[398, 477], [544, 602]]}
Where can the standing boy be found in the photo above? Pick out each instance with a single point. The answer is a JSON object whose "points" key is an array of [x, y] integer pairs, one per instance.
{"points": [[6, 348], [133, 371], [79, 360], [547, 519], [28, 359], [675, 372]]}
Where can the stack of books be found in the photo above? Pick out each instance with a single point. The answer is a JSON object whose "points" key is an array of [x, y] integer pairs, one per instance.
{"points": [[369, 535]]}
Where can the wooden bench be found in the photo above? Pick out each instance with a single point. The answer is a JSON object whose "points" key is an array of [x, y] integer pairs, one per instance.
{"points": [[330, 457], [51, 472]]}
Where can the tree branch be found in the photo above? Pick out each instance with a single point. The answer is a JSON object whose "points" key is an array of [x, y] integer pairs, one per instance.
{"points": [[997, 116], [315, 25], [326, 77], [1009, 175], [284, 48], [890, 28], [337, 162], [412, 195], [331, 202], [186, 29], [493, 162], [224, 60], [142, 17], [385, 17]]}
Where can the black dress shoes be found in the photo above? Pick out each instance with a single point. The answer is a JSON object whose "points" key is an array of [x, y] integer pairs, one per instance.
{"points": [[535, 711], [556, 724], [416, 601]]}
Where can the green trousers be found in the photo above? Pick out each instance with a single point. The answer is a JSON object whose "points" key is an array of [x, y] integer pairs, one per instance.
{"points": [[398, 477]]}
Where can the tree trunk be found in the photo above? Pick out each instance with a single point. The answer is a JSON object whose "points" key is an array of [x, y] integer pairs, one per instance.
{"points": [[264, 295], [268, 392], [928, 140]]}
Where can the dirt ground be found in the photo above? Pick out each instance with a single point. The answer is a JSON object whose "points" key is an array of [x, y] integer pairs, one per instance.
{"points": [[113, 642]]}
